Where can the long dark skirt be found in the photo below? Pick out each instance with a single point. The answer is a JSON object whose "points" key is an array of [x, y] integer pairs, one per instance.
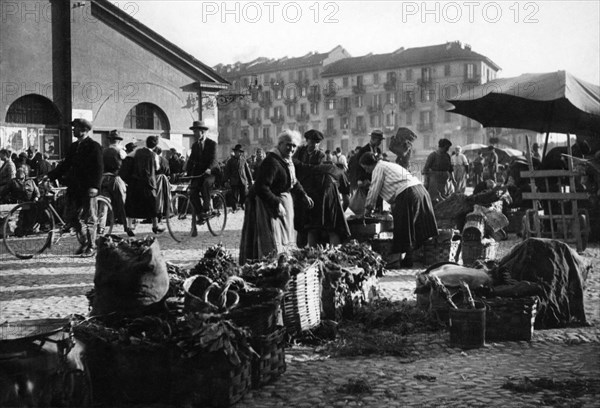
{"points": [[141, 200], [414, 220], [263, 234]]}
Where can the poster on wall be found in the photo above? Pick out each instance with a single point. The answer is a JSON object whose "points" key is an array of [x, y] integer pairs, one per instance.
{"points": [[16, 139], [51, 143], [33, 143]]}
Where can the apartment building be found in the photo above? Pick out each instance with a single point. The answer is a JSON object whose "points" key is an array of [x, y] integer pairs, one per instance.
{"points": [[346, 97], [267, 96], [407, 87]]}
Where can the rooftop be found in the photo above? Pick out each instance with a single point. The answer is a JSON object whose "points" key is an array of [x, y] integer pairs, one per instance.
{"points": [[451, 51]]}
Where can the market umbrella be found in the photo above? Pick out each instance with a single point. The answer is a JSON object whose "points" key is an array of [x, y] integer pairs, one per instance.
{"points": [[554, 102], [473, 146]]}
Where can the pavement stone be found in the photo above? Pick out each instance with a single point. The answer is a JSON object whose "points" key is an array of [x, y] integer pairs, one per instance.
{"points": [[54, 285]]}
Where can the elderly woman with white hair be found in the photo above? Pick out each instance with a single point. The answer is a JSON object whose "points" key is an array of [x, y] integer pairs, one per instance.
{"points": [[460, 164], [269, 218]]}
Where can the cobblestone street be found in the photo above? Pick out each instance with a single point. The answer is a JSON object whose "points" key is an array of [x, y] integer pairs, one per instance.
{"points": [[54, 285]]}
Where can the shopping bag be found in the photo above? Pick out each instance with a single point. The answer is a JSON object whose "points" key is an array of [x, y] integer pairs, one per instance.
{"points": [[358, 201]]}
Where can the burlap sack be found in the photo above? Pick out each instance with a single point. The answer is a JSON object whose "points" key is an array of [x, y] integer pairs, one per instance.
{"points": [[131, 276]]}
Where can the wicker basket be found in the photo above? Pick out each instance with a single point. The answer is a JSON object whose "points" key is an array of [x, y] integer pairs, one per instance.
{"points": [[478, 250], [142, 374], [270, 363], [302, 301], [259, 310], [474, 227], [510, 319], [437, 250]]}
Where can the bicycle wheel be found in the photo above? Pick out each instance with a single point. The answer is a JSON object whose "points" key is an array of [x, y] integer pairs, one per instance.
{"points": [[179, 218], [28, 230], [218, 217], [103, 206]]}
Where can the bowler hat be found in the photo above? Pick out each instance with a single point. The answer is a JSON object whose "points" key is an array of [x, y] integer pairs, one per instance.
{"points": [[238, 148], [198, 124], [82, 123], [406, 133], [377, 133], [114, 135], [313, 134]]}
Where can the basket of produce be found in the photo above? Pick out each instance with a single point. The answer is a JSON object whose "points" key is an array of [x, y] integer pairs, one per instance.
{"points": [[270, 362], [382, 245], [510, 319], [259, 310], [170, 359], [364, 228], [205, 296], [302, 300], [484, 250], [442, 248]]}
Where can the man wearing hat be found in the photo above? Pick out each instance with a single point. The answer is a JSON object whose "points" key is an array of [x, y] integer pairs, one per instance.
{"points": [[113, 185], [82, 170], [237, 173], [202, 160], [310, 152]]}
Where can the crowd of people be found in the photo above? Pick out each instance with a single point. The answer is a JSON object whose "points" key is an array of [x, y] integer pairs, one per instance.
{"points": [[295, 194]]}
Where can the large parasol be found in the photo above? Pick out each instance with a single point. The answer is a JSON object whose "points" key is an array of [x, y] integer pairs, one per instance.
{"points": [[555, 102]]}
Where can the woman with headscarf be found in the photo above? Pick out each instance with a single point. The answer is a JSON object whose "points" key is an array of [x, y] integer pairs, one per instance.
{"points": [[438, 172], [269, 218]]}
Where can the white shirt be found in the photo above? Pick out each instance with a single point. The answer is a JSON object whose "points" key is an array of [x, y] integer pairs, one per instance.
{"points": [[341, 159], [388, 181], [459, 160]]}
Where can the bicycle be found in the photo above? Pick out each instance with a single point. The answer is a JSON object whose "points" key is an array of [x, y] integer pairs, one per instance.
{"points": [[34, 226], [182, 218]]}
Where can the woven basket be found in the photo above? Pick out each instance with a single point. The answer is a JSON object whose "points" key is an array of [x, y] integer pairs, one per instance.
{"points": [[478, 250], [142, 374], [302, 301], [474, 227], [258, 311], [510, 319], [270, 363], [435, 250]]}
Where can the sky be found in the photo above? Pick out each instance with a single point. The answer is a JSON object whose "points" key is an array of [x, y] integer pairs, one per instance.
{"points": [[519, 36]]}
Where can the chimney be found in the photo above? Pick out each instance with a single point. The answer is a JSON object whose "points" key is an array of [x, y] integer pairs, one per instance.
{"points": [[468, 47]]}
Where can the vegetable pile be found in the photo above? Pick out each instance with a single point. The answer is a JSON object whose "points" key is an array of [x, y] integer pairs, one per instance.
{"points": [[188, 334], [217, 264]]}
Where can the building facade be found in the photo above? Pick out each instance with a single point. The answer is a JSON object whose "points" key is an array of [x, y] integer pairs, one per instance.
{"points": [[354, 95], [68, 59], [267, 96]]}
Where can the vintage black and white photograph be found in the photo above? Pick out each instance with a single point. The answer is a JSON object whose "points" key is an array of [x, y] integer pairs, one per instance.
{"points": [[317, 203]]}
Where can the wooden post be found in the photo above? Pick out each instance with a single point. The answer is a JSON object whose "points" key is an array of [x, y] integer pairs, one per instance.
{"points": [[576, 227]]}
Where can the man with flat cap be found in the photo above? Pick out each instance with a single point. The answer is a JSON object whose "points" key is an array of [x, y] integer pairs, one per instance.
{"points": [[237, 173], [310, 152], [200, 165], [81, 171], [113, 185]]}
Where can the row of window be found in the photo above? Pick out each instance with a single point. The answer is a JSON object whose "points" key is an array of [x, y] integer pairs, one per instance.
{"points": [[427, 74], [425, 121], [36, 109]]}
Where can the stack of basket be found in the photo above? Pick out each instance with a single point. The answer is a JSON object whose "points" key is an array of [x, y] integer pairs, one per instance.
{"points": [[260, 311], [302, 301], [475, 246]]}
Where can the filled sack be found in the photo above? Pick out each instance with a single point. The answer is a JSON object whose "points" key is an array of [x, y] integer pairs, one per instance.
{"points": [[131, 276]]}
